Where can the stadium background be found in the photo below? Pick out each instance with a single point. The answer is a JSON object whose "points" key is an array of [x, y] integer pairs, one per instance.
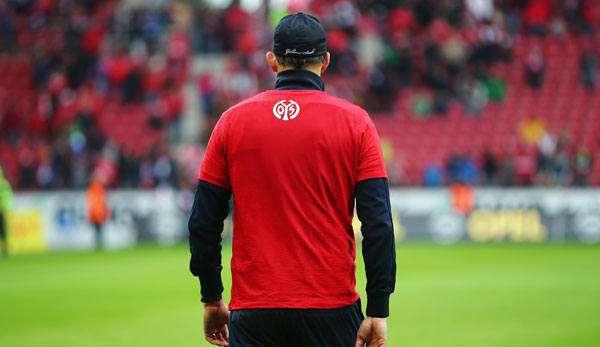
{"points": [[488, 112]]}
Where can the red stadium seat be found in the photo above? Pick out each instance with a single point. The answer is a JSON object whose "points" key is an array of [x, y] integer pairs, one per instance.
{"points": [[562, 101]]}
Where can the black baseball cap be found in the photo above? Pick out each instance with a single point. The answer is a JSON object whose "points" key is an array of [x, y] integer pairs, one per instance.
{"points": [[299, 35]]}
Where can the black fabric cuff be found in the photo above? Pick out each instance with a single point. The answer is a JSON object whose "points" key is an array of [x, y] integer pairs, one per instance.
{"points": [[211, 286], [211, 299], [378, 305]]}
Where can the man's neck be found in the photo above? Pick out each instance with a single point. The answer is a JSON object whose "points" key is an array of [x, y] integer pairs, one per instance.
{"points": [[294, 79], [316, 69]]}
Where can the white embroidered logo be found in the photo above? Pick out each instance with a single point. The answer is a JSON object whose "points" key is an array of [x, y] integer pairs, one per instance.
{"points": [[284, 111], [299, 52]]}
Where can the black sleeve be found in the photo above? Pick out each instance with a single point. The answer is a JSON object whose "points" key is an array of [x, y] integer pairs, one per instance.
{"points": [[378, 245], [210, 208]]}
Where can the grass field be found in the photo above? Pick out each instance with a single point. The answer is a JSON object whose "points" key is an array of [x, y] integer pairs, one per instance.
{"points": [[465, 295]]}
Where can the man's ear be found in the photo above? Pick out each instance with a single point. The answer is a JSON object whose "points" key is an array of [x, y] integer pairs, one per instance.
{"points": [[272, 61], [326, 63]]}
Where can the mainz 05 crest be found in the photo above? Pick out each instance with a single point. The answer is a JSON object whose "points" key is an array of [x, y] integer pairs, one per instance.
{"points": [[286, 111]]}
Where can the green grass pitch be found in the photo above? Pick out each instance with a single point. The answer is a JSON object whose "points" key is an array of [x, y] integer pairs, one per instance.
{"points": [[464, 295]]}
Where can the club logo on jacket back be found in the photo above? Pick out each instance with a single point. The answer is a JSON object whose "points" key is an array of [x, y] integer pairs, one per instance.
{"points": [[286, 111]]}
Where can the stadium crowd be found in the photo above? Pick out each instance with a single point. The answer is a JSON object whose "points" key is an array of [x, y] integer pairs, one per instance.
{"points": [[92, 56], [442, 51], [380, 47], [86, 56]]}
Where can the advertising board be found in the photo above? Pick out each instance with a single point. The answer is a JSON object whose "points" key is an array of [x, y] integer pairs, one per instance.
{"points": [[58, 221], [135, 215]]}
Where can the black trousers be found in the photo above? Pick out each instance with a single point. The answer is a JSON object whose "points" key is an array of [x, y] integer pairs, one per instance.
{"points": [[98, 232], [282, 327]]}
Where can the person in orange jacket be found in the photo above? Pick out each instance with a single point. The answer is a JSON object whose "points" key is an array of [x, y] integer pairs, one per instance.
{"points": [[98, 211]]}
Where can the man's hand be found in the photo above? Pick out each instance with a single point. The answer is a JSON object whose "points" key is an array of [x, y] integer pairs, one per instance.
{"points": [[373, 332], [216, 316]]}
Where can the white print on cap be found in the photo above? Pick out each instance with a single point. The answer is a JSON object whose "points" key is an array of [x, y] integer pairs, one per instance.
{"points": [[284, 111], [294, 51]]}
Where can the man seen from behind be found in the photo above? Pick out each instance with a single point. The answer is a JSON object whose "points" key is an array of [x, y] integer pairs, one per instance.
{"points": [[295, 159]]}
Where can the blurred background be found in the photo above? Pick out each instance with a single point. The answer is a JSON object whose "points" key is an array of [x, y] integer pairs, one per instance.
{"points": [[488, 113]]}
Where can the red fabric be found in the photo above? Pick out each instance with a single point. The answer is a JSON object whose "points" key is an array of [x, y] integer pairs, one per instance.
{"points": [[401, 19], [440, 31], [36, 124], [587, 13], [337, 41], [235, 18], [119, 70], [46, 5], [155, 79], [175, 104], [179, 45], [91, 40], [537, 12], [525, 166], [247, 42], [293, 185]]}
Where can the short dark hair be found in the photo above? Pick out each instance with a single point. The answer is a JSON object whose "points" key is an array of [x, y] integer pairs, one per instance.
{"points": [[299, 63]]}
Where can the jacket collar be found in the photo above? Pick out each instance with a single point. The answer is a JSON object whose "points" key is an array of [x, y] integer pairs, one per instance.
{"points": [[299, 79]]}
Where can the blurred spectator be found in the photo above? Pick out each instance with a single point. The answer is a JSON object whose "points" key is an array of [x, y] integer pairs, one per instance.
{"points": [[370, 44], [495, 87], [561, 169], [536, 16], [235, 21], [98, 210], [588, 68], [490, 168], [468, 172], [190, 156], [558, 27], [132, 85], [452, 168], [582, 166], [490, 45], [178, 52], [512, 18], [61, 161], [525, 166], [208, 31], [164, 171], [208, 93], [462, 169], [6, 196], [463, 198], [474, 95], [129, 169], [546, 151], [7, 29], [157, 115], [454, 53], [441, 102], [434, 176], [424, 11], [577, 15], [531, 130], [421, 106], [535, 67], [27, 166], [506, 175], [480, 9], [147, 174]]}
